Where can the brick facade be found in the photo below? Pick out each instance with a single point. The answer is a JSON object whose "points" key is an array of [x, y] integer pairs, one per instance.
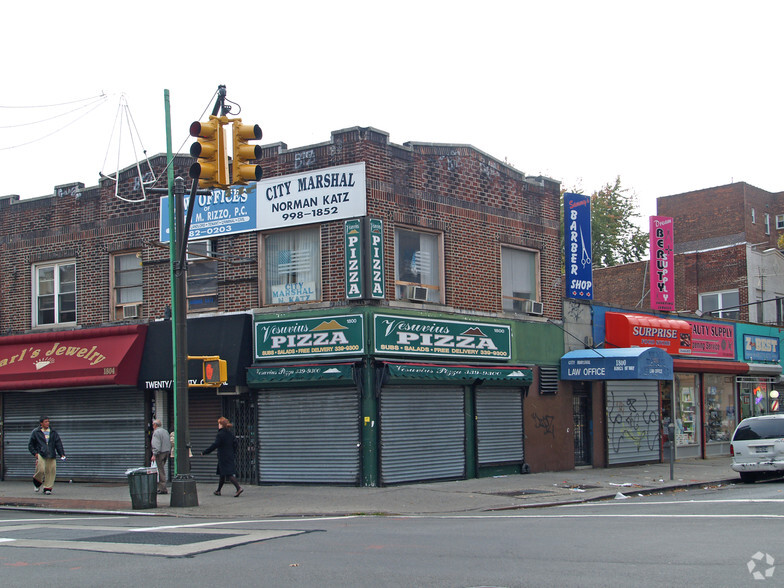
{"points": [[477, 202]]}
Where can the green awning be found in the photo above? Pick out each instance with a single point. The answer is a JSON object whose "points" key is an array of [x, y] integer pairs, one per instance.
{"points": [[263, 375], [466, 374]]}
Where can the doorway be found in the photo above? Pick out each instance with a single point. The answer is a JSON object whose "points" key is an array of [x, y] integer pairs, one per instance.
{"points": [[583, 425]]}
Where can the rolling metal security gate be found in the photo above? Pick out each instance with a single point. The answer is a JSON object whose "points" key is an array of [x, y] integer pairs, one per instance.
{"points": [[204, 410], [632, 421], [309, 436], [103, 431], [499, 426], [422, 434]]}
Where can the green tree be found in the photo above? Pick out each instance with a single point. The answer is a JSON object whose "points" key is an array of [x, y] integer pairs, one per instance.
{"points": [[615, 238]]}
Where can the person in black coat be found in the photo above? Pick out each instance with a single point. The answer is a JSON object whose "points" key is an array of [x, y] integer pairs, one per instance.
{"points": [[46, 446], [226, 444]]}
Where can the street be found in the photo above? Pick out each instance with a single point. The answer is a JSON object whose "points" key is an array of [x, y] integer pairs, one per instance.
{"points": [[706, 537]]}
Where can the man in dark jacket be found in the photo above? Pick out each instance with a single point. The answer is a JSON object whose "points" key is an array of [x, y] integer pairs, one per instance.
{"points": [[46, 446]]}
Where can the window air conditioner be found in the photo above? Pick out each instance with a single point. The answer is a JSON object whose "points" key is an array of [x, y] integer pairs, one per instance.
{"points": [[417, 293], [533, 307], [131, 311]]}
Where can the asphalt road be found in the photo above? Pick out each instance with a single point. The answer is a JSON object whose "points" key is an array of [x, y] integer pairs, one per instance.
{"points": [[712, 537]]}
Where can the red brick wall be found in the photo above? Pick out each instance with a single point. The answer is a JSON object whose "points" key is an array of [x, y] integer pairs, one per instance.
{"points": [[723, 211], [475, 201], [694, 274]]}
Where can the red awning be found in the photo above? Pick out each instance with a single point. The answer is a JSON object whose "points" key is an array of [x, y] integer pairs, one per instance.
{"points": [[641, 330], [709, 367], [63, 359]]}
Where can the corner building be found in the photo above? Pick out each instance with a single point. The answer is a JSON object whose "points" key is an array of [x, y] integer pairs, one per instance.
{"points": [[398, 296]]}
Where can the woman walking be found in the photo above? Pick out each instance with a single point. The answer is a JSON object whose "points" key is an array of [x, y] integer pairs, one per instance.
{"points": [[226, 444]]}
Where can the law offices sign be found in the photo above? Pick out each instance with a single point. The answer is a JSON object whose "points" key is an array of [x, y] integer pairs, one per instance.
{"points": [[327, 194]]}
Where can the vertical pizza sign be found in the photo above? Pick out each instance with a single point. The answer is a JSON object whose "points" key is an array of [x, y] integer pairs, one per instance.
{"points": [[577, 229], [662, 264]]}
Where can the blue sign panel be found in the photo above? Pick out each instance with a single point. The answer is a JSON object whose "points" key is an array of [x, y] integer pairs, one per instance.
{"points": [[634, 363], [577, 244], [758, 348], [222, 212]]}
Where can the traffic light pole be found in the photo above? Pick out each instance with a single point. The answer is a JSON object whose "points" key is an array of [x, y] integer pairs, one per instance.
{"points": [[183, 492]]}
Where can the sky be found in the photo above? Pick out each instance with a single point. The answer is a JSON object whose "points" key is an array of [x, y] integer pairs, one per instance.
{"points": [[671, 96]]}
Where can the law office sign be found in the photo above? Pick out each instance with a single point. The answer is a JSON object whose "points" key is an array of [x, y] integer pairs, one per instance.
{"points": [[403, 335], [309, 337]]}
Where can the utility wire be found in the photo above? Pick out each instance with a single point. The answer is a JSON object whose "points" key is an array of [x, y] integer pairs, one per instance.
{"points": [[53, 132], [101, 95], [36, 122]]}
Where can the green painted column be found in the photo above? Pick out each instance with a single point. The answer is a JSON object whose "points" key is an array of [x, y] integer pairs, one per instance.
{"points": [[370, 455], [470, 431]]}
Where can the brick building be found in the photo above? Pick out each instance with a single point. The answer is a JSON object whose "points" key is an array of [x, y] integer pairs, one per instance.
{"points": [[726, 266], [386, 323], [726, 258]]}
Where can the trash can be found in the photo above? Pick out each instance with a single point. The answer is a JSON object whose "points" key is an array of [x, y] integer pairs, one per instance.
{"points": [[143, 484]]}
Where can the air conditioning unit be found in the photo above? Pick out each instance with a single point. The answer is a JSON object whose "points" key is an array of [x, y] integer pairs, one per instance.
{"points": [[533, 307], [131, 311], [417, 293]]}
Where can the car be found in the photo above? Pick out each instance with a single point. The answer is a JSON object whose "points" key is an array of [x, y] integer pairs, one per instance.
{"points": [[757, 448]]}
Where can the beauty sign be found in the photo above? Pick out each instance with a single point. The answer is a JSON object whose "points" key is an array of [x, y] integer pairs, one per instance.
{"points": [[662, 268]]}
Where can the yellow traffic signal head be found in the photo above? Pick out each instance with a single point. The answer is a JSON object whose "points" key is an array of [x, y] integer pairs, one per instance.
{"points": [[214, 371], [212, 165], [242, 170]]}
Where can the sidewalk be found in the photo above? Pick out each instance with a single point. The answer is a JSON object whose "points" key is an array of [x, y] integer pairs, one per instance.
{"points": [[464, 496]]}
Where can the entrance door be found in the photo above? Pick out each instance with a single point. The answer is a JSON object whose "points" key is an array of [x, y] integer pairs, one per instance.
{"points": [[241, 411], [582, 424]]}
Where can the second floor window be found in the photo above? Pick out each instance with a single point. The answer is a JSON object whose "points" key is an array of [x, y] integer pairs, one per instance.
{"points": [[292, 266], [127, 285], [417, 266], [202, 277], [721, 304], [519, 279], [55, 293]]}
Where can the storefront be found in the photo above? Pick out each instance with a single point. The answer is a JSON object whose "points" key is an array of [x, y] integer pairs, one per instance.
{"points": [[759, 389], [228, 336], [701, 398], [373, 399], [85, 381], [632, 378]]}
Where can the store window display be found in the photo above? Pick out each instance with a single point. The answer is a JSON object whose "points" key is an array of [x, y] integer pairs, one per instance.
{"points": [[687, 417], [720, 415]]}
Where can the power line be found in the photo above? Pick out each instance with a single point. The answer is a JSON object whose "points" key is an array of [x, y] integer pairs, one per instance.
{"points": [[101, 95]]}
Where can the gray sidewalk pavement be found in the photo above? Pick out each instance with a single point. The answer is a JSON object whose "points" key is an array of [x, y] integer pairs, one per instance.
{"points": [[472, 496]]}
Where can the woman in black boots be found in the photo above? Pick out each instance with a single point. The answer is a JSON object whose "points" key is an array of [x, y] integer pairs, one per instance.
{"points": [[226, 444]]}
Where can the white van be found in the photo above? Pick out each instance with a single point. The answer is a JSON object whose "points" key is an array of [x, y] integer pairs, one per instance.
{"points": [[757, 448]]}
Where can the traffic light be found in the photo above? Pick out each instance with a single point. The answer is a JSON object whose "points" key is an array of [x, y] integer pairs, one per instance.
{"points": [[242, 170], [214, 371], [212, 165]]}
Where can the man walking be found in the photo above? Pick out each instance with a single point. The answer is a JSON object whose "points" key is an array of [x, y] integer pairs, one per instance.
{"points": [[161, 450], [45, 445]]}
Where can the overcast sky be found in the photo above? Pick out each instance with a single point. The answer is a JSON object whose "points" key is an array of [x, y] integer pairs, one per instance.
{"points": [[670, 95]]}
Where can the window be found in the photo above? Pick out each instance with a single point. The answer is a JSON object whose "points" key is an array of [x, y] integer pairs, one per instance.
{"points": [[779, 222], [202, 277], [292, 263], [767, 224], [418, 266], [753, 217], [717, 301], [127, 285], [55, 293], [519, 273]]}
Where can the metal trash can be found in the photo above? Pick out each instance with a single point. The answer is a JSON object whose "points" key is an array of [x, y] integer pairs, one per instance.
{"points": [[143, 484]]}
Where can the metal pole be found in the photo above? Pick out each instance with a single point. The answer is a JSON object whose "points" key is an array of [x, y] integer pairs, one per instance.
{"points": [[172, 257], [671, 435], [183, 485]]}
